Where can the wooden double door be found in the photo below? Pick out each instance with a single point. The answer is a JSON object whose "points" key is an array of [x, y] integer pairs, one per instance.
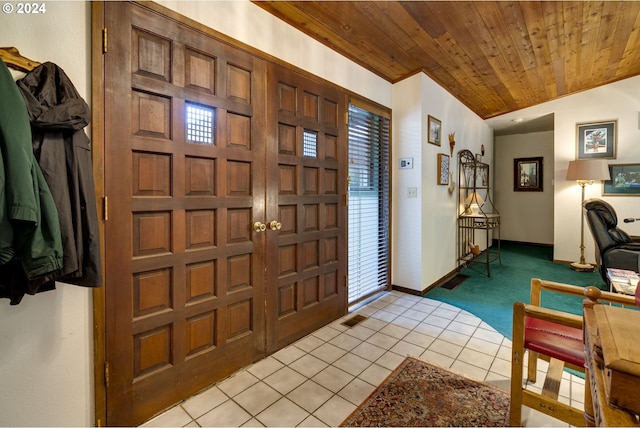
{"points": [[225, 179]]}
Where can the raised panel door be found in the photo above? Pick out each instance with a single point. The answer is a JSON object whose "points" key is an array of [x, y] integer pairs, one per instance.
{"points": [[306, 194], [184, 292]]}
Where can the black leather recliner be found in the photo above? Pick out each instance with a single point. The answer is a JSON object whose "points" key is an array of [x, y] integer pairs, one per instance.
{"points": [[615, 248]]}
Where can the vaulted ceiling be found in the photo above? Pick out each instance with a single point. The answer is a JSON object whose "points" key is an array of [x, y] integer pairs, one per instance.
{"points": [[494, 56]]}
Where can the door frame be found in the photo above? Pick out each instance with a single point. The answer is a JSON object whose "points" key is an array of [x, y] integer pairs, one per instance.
{"points": [[97, 151]]}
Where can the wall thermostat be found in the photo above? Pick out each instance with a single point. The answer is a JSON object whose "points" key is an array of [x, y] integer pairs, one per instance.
{"points": [[406, 163]]}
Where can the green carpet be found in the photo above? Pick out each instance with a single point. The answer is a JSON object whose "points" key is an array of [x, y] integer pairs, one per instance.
{"points": [[491, 299]]}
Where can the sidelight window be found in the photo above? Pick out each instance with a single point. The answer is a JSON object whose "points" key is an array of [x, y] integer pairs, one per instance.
{"points": [[368, 203]]}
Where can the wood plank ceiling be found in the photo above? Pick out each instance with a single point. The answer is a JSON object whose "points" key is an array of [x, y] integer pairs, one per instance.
{"points": [[494, 56]]}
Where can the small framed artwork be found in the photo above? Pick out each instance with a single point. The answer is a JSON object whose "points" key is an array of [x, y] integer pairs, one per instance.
{"points": [[443, 168], [435, 130], [596, 140], [527, 174], [625, 180]]}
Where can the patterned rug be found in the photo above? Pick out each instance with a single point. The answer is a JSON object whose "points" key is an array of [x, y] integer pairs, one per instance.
{"points": [[417, 393]]}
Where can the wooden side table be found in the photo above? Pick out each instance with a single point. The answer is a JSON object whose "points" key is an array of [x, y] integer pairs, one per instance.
{"points": [[598, 412]]}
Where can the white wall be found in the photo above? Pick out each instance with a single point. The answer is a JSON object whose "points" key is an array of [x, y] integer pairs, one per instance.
{"points": [[46, 348], [406, 213], [621, 101], [423, 230], [526, 216]]}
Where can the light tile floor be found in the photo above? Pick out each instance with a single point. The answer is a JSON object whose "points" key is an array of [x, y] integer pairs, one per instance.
{"points": [[320, 379]]}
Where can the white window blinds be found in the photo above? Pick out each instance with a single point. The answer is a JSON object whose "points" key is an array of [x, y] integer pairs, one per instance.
{"points": [[368, 203]]}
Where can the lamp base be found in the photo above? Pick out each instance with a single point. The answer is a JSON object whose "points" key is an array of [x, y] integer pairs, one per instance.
{"points": [[582, 267]]}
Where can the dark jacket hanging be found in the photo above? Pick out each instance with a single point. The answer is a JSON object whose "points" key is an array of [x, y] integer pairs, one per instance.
{"points": [[30, 239], [58, 117]]}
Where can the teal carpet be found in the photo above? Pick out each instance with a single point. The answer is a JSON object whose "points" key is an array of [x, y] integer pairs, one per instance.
{"points": [[491, 299]]}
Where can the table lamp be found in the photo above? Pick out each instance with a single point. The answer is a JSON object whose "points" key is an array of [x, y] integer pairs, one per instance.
{"points": [[472, 203], [586, 171]]}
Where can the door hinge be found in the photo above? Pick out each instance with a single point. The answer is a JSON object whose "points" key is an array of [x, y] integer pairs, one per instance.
{"points": [[105, 208], [345, 200], [346, 117], [104, 40], [346, 281], [106, 374]]}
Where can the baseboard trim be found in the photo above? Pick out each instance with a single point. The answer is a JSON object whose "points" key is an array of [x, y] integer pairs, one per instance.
{"points": [[454, 272], [428, 288], [533, 244]]}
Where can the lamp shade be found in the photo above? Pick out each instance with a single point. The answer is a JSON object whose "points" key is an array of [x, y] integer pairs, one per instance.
{"points": [[588, 170], [474, 198]]}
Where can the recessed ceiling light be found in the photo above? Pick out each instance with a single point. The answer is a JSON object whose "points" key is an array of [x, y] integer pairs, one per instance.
{"points": [[517, 120]]}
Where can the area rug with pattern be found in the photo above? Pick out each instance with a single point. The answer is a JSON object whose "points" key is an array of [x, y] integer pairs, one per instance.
{"points": [[418, 393]]}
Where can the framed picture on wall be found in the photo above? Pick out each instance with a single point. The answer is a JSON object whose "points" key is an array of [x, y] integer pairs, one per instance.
{"points": [[625, 180], [435, 130], [443, 168], [596, 140], [527, 174]]}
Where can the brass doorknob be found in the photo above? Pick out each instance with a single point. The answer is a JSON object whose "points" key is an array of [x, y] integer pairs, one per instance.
{"points": [[259, 227], [275, 225]]}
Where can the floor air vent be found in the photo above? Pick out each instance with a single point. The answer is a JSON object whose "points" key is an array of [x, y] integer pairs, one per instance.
{"points": [[455, 281], [354, 320]]}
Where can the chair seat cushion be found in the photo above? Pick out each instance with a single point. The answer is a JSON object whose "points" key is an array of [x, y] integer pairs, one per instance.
{"points": [[555, 340]]}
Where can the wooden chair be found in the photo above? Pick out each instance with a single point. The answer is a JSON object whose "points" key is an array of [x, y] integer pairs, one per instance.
{"points": [[556, 337]]}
